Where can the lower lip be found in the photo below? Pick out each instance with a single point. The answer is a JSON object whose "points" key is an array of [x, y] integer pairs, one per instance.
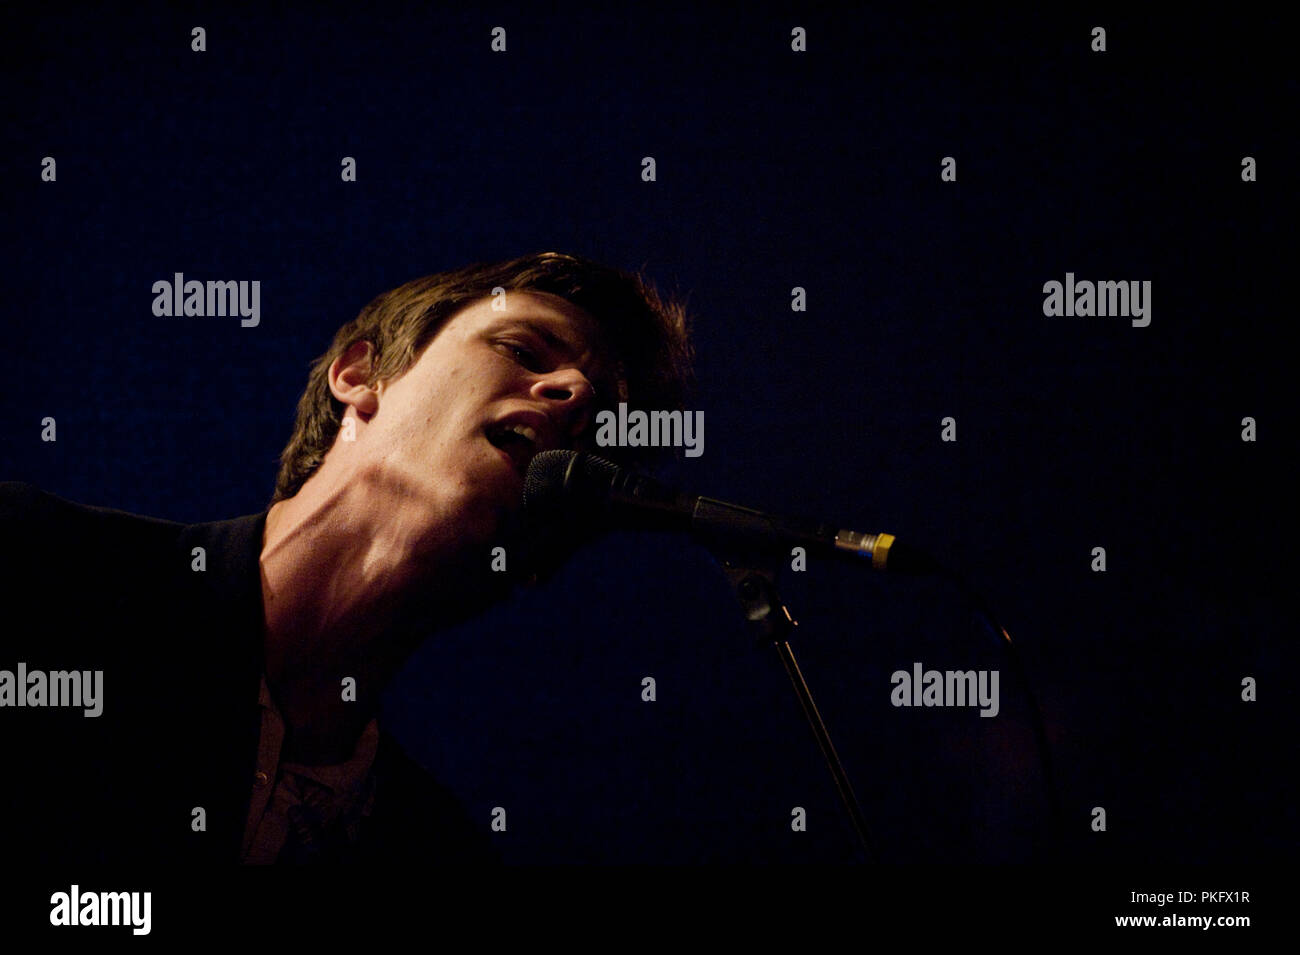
{"points": [[505, 457]]}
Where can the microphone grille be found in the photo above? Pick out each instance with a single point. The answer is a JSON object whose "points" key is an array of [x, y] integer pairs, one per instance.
{"points": [[555, 477], [544, 482]]}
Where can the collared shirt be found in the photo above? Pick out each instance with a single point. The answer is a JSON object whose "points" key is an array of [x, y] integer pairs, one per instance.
{"points": [[306, 813], [180, 646]]}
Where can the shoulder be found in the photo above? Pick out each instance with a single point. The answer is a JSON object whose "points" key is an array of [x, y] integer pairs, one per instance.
{"points": [[50, 538], [25, 505]]}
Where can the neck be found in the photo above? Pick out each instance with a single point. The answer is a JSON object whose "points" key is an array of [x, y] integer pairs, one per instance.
{"points": [[346, 594]]}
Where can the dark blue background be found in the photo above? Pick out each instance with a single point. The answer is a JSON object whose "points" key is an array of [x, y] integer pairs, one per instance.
{"points": [[775, 169]]}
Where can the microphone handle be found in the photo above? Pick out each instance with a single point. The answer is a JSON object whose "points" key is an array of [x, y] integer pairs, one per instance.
{"points": [[653, 505]]}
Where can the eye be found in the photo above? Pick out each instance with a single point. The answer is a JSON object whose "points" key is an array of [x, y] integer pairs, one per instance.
{"points": [[524, 355]]}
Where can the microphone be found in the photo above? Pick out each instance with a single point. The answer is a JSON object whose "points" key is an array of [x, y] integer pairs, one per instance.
{"points": [[581, 487]]}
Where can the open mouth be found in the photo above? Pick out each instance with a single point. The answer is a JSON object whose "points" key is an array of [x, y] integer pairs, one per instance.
{"points": [[518, 442]]}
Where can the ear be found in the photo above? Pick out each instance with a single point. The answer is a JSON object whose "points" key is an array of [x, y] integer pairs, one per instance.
{"points": [[348, 375]]}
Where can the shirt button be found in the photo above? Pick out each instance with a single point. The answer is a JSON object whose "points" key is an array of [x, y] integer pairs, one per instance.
{"points": [[260, 778]]}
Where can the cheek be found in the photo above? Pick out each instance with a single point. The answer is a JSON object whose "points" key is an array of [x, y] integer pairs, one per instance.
{"points": [[439, 433], [439, 407]]}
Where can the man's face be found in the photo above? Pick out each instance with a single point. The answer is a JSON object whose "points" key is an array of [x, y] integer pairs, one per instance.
{"points": [[453, 435]]}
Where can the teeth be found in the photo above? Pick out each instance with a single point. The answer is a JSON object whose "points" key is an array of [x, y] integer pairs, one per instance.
{"points": [[525, 431]]}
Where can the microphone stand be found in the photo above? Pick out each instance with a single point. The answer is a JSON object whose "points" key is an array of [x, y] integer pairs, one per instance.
{"points": [[753, 578]]}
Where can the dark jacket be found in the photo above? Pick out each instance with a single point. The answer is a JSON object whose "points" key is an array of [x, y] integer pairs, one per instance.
{"points": [[89, 588]]}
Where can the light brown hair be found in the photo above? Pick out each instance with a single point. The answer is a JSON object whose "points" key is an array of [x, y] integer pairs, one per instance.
{"points": [[646, 333]]}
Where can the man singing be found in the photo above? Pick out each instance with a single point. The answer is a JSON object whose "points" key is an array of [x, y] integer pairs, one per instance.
{"points": [[241, 662]]}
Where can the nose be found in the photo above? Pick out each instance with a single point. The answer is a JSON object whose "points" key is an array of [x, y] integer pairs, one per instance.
{"points": [[568, 397]]}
